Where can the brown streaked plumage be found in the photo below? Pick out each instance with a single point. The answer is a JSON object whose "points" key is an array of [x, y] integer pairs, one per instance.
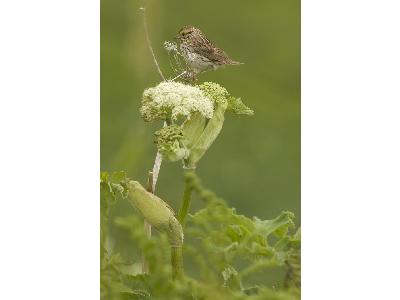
{"points": [[200, 53]]}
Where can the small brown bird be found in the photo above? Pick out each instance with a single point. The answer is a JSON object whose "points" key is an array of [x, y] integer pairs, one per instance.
{"points": [[200, 53]]}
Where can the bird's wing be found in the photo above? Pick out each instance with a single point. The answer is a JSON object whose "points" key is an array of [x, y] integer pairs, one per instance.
{"points": [[207, 49]]}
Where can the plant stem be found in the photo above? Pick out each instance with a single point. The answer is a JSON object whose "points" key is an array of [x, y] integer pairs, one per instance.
{"points": [[187, 196], [151, 187], [146, 31], [156, 171], [147, 226], [177, 262]]}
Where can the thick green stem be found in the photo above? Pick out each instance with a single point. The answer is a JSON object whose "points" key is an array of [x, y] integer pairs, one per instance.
{"points": [[187, 197], [147, 226], [177, 262]]}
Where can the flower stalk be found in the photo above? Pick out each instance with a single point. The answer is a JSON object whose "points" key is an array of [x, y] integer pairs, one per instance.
{"points": [[147, 226], [187, 196]]}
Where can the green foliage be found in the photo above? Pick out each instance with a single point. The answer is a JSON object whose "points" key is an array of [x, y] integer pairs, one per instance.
{"points": [[293, 274], [237, 246], [228, 252], [236, 106], [112, 188]]}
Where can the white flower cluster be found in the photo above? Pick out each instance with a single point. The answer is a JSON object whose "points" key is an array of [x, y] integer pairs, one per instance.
{"points": [[170, 46], [173, 100]]}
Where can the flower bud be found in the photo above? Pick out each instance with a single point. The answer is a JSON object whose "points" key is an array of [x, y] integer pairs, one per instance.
{"points": [[156, 212]]}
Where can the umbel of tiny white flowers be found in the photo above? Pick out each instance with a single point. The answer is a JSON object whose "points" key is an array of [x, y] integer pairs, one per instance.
{"points": [[201, 111], [170, 46], [170, 101]]}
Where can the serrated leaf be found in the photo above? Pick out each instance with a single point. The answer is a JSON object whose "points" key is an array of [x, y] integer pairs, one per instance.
{"points": [[137, 283], [236, 106], [231, 278], [278, 226], [117, 177]]}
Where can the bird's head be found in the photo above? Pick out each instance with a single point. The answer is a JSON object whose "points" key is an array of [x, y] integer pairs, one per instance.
{"points": [[187, 32]]}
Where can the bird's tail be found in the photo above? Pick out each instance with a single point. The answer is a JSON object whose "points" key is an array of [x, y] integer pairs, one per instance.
{"points": [[235, 63]]}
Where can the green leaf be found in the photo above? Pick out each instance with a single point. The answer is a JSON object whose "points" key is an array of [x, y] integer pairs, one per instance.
{"points": [[229, 238], [231, 278], [138, 284], [118, 177], [236, 106], [279, 226], [192, 129], [207, 137]]}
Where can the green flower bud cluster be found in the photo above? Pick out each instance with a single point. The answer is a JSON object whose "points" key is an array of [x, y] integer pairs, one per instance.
{"points": [[215, 92], [168, 140]]}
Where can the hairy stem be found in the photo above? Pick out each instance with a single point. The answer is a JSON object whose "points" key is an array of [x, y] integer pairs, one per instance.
{"points": [[156, 171], [146, 32], [177, 262], [187, 196]]}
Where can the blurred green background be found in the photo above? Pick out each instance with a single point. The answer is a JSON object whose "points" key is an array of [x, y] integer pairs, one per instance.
{"points": [[255, 162]]}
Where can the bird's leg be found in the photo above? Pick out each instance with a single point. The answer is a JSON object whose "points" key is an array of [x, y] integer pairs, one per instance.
{"points": [[192, 77]]}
